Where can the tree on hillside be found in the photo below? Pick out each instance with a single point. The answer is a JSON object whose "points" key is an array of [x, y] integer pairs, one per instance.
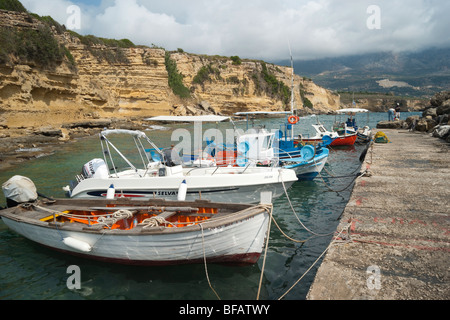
{"points": [[12, 5]]}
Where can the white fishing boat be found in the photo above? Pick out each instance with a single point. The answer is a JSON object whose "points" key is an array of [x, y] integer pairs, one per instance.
{"points": [[158, 176], [278, 146], [307, 161], [142, 232]]}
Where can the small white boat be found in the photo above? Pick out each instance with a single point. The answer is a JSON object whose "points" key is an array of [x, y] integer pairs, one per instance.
{"points": [[159, 177], [149, 232]]}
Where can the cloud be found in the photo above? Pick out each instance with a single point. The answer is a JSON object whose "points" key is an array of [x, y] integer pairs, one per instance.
{"points": [[261, 29]]}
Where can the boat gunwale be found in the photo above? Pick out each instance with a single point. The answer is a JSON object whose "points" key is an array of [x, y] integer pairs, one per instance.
{"points": [[238, 213]]}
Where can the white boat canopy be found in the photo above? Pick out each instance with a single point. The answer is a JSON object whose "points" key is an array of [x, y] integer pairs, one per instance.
{"points": [[205, 118], [134, 133], [352, 110], [261, 112]]}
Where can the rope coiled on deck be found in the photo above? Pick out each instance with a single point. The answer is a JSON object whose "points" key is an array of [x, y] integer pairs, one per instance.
{"points": [[116, 216], [153, 222]]}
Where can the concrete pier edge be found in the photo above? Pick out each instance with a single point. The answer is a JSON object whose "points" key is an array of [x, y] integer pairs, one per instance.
{"points": [[396, 239]]}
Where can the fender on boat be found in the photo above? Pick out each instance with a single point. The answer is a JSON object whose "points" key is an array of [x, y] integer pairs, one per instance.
{"points": [[111, 192], [77, 244], [182, 190]]}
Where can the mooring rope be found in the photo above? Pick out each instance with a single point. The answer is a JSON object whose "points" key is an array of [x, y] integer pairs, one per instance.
{"points": [[346, 187], [270, 211], [295, 214], [314, 263], [204, 261]]}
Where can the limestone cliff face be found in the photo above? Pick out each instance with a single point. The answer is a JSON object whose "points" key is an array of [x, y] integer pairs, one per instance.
{"points": [[31, 96], [233, 88]]}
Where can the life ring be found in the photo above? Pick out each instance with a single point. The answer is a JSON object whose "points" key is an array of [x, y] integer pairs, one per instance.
{"points": [[293, 119]]}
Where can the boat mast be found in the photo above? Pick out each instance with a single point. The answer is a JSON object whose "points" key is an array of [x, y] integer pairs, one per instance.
{"points": [[292, 88], [292, 80]]}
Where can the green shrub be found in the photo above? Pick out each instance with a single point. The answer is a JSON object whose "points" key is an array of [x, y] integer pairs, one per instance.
{"points": [[12, 5], [30, 46], [236, 60], [49, 21], [307, 103], [204, 74], [274, 87], [91, 40], [175, 78], [39, 46], [114, 52]]}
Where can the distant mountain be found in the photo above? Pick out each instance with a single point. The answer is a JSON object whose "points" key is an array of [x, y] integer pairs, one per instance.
{"points": [[408, 73]]}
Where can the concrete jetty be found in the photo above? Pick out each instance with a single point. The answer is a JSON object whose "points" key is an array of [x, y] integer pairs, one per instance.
{"points": [[396, 239]]}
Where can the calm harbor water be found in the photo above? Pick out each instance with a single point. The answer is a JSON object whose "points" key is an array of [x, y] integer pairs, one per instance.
{"points": [[29, 271]]}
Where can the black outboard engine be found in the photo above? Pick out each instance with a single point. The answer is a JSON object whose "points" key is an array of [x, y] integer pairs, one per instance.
{"points": [[19, 190]]}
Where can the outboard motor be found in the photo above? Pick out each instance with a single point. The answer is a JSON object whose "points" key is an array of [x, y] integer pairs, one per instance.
{"points": [[96, 168], [19, 190]]}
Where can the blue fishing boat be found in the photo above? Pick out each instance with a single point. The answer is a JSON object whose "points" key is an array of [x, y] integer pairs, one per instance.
{"points": [[266, 148]]}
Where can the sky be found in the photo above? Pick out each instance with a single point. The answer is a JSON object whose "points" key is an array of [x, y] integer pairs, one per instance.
{"points": [[260, 29]]}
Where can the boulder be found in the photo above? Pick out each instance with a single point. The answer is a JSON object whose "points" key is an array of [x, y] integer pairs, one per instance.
{"points": [[411, 119], [410, 122], [179, 111], [390, 124], [191, 110], [424, 125], [429, 112], [431, 123], [205, 106], [95, 123], [421, 125], [439, 98], [49, 132], [442, 132], [442, 119], [444, 108]]}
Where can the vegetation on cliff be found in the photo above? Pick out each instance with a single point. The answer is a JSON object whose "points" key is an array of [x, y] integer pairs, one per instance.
{"points": [[266, 82], [115, 48], [175, 78], [36, 46], [205, 74], [27, 46], [12, 5]]}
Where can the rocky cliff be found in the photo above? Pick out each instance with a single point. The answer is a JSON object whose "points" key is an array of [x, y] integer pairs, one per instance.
{"points": [[86, 85]]}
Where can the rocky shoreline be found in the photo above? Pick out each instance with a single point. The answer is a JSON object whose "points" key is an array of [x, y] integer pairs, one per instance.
{"points": [[21, 144], [25, 143], [434, 119]]}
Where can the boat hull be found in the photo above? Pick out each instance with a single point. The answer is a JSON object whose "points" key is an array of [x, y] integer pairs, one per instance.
{"points": [[238, 241], [308, 170], [202, 183], [344, 141]]}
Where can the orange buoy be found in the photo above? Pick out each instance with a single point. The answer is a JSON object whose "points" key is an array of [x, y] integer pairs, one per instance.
{"points": [[293, 119]]}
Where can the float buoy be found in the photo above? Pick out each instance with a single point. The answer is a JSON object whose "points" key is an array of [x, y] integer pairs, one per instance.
{"points": [[293, 119]]}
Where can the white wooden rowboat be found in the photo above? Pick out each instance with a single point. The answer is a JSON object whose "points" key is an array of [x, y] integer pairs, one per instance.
{"points": [[145, 232]]}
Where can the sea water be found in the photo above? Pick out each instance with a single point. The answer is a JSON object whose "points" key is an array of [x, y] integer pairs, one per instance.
{"points": [[29, 271]]}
